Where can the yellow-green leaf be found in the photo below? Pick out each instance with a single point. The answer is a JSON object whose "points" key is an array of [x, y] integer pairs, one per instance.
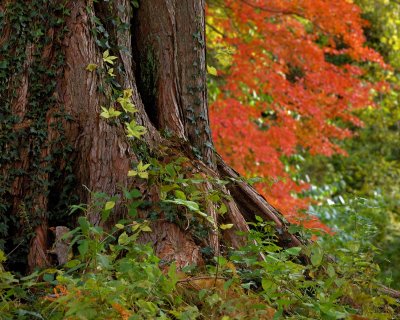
{"points": [[111, 72], [212, 70], [145, 229], [91, 67], [109, 205], [107, 58], [226, 226], [132, 173], [143, 175], [142, 167], [127, 93]]}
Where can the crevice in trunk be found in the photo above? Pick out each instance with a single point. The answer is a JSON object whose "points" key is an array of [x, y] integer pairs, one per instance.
{"points": [[145, 70]]}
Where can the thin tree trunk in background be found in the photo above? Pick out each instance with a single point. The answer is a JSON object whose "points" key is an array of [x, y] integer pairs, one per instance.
{"points": [[163, 58]]}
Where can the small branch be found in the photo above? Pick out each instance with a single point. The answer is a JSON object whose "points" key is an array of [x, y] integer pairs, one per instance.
{"points": [[216, 30], [389, 291], [271, 10], [201, 278]]}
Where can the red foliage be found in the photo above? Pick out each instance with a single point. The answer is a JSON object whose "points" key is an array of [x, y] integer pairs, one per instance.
{"points": [[287, 87]]}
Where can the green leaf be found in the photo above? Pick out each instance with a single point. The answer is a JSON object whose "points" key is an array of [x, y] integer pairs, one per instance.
{"points": [[123, 238], [226, 226], [133, 194], [212, 70], [109, 205], [23, 313], [146, 229], [48, 277], [84, 224], [331, 271], [316, 255], [294, 251], [83, 247], [140, 171], [109, 113], [107, 58], [111, 72], [72, 263], [91, 67], [142, 167], [268, 285], [132, 173], [126, 103], [127, 93], [119, 226], [222, 209], [143, 175], [127, 106], [180, 194], [193, 206], [189, 204], [133, 130]]}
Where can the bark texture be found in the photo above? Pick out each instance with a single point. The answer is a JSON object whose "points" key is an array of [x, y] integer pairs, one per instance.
{"points": [[162, 52]]}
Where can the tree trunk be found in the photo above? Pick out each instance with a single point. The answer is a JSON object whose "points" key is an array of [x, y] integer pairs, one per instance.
{"points": [[55, 146]]}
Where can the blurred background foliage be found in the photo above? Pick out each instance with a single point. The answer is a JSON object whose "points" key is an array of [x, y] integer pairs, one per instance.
{"points": [[358, 194]]}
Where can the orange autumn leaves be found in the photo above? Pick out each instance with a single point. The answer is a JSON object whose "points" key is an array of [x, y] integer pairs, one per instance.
{"points": [[292, 83]]}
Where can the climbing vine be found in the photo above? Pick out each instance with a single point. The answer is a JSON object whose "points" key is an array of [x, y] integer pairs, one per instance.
{"points": [[31, 61]]}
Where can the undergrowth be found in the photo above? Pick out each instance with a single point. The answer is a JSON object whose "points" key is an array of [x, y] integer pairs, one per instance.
{"points": [[112, 275]]}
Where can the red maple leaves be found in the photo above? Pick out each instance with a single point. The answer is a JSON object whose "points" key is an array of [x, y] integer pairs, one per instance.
{"points": [[294, 81]]}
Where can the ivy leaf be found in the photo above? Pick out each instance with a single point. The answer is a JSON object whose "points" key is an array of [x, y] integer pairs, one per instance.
{"points": [[125, 102], [143, 175], [111, 72], [127, 93], [91, 67], [127, 105], [107, 58], [143, 167], [140, 171], [109, 113], [132, 173], [133, 130]]}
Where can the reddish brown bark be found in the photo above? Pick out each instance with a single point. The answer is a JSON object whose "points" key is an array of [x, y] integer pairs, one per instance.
{"points": [[169, 47]]}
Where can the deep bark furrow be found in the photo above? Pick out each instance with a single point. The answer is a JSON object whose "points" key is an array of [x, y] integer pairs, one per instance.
{"points": [[171, 45]]}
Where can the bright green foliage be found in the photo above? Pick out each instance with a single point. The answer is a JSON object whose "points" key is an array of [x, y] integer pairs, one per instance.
{"points": [[141, 171], [112, 276], [384, 34], [109, 113], [363, 188]]}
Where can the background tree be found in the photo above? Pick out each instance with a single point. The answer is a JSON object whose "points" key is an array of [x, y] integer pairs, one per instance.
{"points": [[291, 85]]}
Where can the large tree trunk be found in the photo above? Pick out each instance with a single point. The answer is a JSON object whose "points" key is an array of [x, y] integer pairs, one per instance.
{"points": [[54, 144]]}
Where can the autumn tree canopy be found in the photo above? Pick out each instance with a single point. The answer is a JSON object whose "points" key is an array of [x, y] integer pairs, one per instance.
{"points": [[292, 75]]}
